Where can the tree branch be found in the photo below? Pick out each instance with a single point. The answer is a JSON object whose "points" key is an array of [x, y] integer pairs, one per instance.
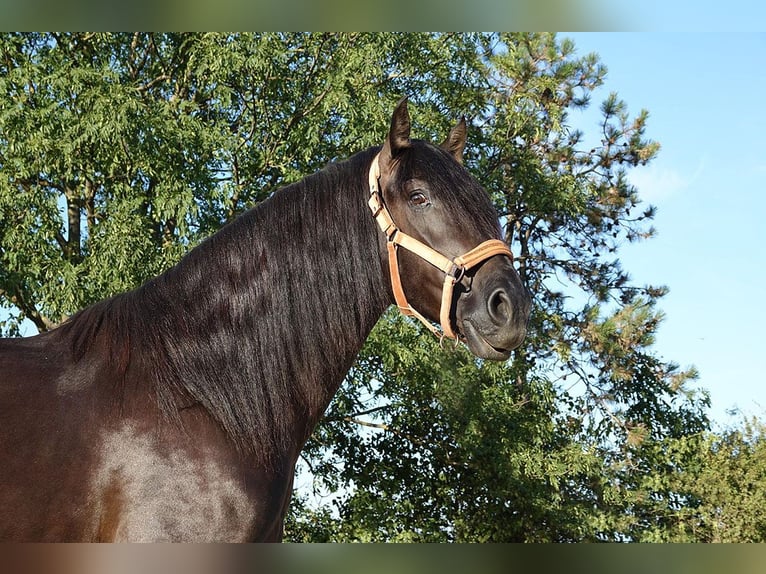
{"points": [[74, 206], [40, 321], [372, 410], [383, 426]]}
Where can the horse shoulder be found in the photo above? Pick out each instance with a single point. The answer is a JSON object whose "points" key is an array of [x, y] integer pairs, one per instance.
{"points": [[182, 483]]}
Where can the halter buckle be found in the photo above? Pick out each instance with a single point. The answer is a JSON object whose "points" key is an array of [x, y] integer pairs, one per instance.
{"points": [[457, 272]]}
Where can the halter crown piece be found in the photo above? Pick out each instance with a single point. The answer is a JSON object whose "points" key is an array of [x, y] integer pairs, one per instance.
{"points": [[453, 269]]}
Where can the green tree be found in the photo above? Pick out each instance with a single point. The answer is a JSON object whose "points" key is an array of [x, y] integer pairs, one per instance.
{"points": [[711, 488], [102, 149], [120, 151]]}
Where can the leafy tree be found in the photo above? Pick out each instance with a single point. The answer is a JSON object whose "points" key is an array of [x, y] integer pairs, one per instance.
{"points": [[102, 150], [710, 487], [120, 151]]}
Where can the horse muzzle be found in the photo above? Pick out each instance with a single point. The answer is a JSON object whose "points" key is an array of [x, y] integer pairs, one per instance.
{"points": [[493, 310]]}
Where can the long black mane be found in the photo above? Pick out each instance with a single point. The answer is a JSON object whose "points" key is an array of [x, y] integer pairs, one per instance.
{"points": [[248, 320]]}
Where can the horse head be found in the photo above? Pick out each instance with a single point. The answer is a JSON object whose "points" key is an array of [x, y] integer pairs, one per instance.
{"points": [[443, 244]]}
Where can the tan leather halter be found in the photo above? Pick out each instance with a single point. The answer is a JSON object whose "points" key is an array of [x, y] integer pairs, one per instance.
{"points": [[453, 269]]}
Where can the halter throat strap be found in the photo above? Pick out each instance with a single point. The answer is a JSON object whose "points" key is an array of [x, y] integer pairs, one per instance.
{"points": [[453, 269]]}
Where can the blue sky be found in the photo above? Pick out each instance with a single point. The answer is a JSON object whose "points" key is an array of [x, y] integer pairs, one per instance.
{"points": [[705, 95]]}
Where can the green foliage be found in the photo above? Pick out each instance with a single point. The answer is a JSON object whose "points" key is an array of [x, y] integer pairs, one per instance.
{"points": [[705, 488], [120, 151]]}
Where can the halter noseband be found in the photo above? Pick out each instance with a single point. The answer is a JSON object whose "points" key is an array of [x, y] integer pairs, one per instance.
{"points": [[453, 269]]}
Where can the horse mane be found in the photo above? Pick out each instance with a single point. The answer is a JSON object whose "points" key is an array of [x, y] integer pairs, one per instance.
{"points": [[248, 320]]}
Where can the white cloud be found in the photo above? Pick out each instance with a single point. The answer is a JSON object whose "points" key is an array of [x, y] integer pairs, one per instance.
{"points": [[657, 183]]}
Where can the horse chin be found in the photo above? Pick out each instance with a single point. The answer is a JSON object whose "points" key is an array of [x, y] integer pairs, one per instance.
{"points": [[479, 345]]}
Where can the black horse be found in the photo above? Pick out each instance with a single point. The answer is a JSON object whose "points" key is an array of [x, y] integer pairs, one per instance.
{"points": [[177, 411]]}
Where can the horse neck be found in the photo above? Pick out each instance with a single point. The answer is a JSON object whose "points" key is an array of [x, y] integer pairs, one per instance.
{"points": [[261, 322]]}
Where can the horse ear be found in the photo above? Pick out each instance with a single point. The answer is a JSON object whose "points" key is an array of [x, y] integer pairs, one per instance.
{"points": [[455, 142], [399, 134]]}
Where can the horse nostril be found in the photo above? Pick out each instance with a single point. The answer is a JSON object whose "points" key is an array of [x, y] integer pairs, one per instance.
{"points": [[499, 307]]}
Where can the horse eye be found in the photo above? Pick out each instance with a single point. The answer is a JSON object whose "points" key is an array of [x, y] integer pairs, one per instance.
{"points": [[419, 198]]}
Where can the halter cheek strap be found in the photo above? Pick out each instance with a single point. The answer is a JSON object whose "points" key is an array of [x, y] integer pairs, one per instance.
{"points": [[453, 269]]}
